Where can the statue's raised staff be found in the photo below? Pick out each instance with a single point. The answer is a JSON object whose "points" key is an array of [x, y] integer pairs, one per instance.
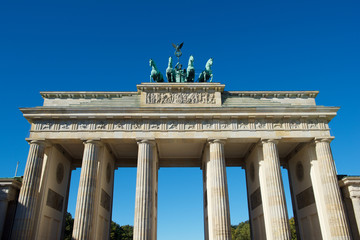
{"points": [[155, 73], [170, 72], [190, 71], [207, 73]]}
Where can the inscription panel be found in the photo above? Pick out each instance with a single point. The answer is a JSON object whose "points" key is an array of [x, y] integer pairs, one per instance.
{"points": [[105, 200], [255, 199], [305, 198], [55, 200]]}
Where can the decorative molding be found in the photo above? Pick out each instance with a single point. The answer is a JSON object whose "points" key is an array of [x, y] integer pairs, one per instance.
{"points": [[218, 124], [274, 94], [85, 95]]}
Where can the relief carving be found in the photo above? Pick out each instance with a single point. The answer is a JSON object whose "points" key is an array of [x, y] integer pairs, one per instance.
{"points": [[225, 125], [243, 124], [207, 125], [47, 126], [190, 125], [180, 98], [295, 124], [119, 125], [155, 126], [173, 125], [313, 124], [100, 126], [65, 126], [277, 124], [83, 126], [260, 124], [137, 125]]}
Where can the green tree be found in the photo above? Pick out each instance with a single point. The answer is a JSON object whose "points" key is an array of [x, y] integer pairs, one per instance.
{"points": [[117, 232], [292, 228], [126, 232], [241, 231], [69, 223]]}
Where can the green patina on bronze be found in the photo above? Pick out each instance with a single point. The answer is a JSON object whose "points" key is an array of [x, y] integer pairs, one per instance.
{"points": [[179, 75]]}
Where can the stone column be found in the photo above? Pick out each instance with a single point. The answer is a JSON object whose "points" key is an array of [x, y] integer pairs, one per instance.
{"points": [[350, 187], [355, 200], [86, 194], [217, 193], [144, 206], [24, 224], [333, 206], [272, 193], [206, 230]]}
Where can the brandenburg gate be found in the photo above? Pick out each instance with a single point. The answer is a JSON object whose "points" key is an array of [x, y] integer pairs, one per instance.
{"points": [[181, 125]]}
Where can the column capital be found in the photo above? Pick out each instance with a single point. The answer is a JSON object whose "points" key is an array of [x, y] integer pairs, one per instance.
{"points": [[41, 142], [217, 140], [93, 141], [146, 140], [270, 140], [323, 139]]}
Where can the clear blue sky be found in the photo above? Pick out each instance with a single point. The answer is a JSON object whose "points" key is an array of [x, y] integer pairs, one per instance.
{"points": [[256, 45]]}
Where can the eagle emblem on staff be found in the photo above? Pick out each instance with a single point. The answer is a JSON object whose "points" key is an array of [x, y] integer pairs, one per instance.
{"points": [[178, 52]]}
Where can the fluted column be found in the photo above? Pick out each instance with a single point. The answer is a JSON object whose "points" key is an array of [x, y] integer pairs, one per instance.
{"points": [[86, 194], [272, 192], [28, 198], [143, 220], [333, 205], [217, 193], [355, 200]]}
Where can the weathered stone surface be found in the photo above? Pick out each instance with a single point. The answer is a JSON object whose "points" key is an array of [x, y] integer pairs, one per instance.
{"points": [[169, 125]]}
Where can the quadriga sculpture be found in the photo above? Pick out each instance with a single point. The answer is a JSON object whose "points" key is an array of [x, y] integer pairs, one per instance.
{"points": [[207, 73], [170, 72], [155, 73], [190, 71]]}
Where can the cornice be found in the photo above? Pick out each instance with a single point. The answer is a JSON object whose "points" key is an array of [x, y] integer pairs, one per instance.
{"points": [[274, 94], [178, 87], [86, 95], [84, 112]]}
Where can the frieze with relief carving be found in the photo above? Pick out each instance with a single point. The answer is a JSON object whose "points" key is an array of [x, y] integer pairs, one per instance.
{"points": [[182, 124], [180, 98]]}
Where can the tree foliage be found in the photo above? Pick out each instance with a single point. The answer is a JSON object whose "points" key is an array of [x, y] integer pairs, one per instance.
{"points": [[242, 231], [117, 232], [69, 223], [292, 228]]}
